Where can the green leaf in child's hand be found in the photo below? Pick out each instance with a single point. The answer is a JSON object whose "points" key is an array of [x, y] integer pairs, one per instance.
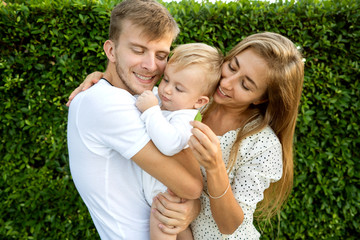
{"points": [[198, 117]]}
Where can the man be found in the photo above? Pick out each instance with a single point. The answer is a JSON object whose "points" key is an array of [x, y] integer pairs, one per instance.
{"points": [[107, 140]]}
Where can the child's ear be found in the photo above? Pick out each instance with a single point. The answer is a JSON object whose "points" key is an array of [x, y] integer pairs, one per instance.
{"points": [[201, 101], [109, 49]]}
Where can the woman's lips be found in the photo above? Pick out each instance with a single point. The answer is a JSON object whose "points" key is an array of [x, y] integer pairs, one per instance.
{"points": [[221, 92]]}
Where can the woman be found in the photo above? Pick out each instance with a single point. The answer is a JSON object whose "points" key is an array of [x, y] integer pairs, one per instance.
{"points": [[245, 141]]}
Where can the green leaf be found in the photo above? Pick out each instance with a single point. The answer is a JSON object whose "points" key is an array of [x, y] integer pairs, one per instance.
{"points": [[198, 117]]}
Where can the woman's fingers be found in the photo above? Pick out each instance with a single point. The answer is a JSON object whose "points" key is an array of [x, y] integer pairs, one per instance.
{"points": [[205, 145], [74, 93], [202, 144], [204, 129], [90, 80], [198, 148]]}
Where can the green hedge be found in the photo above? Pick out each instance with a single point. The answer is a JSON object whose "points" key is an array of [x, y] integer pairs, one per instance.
{"points": [[48, 47]]}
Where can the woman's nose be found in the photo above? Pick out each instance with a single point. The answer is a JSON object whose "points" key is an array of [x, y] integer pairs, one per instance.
{"points": [[227, 82]]}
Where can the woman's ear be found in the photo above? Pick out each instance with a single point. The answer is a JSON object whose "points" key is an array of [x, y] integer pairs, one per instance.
{"points": [[260, 101], [109, 49], [201, 101]]}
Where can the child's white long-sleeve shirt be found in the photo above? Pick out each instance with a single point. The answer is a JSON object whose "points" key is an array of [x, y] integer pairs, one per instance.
{"points": [[170, 131]]}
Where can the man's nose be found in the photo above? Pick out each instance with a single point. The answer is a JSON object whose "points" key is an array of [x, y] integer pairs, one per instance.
{"points": [[149, 62]]}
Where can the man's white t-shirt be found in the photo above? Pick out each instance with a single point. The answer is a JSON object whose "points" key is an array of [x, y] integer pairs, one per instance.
{"points": [[104, 132]]}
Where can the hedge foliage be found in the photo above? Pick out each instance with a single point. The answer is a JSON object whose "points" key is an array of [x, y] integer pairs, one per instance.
{"points": [[47, 48]]}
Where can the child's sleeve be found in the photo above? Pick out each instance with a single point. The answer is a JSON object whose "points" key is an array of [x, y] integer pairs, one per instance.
{"points": [[169, 134]]}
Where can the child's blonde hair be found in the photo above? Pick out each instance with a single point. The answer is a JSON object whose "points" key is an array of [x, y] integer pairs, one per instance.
{"points": [[203, 56]]}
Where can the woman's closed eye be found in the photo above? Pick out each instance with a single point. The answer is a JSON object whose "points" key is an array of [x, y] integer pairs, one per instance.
{"points": [[231, 67], [243, 84]]}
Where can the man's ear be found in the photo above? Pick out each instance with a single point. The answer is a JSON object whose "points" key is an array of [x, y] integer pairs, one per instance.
{"points": [[109, 49], [260, 101], [201, 101]]}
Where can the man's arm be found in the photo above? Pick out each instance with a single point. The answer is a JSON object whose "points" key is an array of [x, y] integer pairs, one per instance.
{"points": [[180, 173]]}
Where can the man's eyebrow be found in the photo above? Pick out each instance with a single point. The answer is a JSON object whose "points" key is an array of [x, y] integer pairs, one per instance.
{"points": [[136, 45]]}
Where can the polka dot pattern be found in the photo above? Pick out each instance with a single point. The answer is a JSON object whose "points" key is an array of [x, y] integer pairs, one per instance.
{"points": [[259, 163]]}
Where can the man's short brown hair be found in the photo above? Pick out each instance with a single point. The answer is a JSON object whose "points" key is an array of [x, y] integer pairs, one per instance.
{"points": [[153, 17]]}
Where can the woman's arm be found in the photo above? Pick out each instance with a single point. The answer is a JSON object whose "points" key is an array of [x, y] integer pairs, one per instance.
{"points": [[225, 209]]}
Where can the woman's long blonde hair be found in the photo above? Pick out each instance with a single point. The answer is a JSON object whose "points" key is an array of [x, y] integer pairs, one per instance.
{"points": [[285, 75]]}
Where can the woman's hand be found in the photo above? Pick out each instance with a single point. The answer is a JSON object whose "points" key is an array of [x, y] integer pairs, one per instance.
{"points": [[205, 146], [90, 80], [175, 213]]}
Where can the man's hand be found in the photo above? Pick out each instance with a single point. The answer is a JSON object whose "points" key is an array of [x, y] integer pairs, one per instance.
{"points": [[146, 100]]}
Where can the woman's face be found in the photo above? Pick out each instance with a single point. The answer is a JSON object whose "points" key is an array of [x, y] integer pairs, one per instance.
{"points": [[243, 81]]}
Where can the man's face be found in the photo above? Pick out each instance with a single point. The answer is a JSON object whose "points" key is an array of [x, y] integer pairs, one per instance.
{"points": [[139, 62]]}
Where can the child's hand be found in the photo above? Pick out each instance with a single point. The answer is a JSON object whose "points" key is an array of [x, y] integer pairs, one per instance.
{"points": [[146, 100]]}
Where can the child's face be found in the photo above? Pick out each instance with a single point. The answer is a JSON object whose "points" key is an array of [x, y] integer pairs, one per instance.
{"points": [[182, 89]]}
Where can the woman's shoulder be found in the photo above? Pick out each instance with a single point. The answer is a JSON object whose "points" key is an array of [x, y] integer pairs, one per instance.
{"points": [[265, 137], [267, 132], [262, 149]]}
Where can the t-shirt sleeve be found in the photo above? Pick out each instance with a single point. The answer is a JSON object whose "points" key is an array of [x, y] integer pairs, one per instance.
{"points": [[110, 120]]}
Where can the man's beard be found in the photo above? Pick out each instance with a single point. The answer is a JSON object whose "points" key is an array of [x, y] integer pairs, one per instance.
{"points": [[120, 74]]}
